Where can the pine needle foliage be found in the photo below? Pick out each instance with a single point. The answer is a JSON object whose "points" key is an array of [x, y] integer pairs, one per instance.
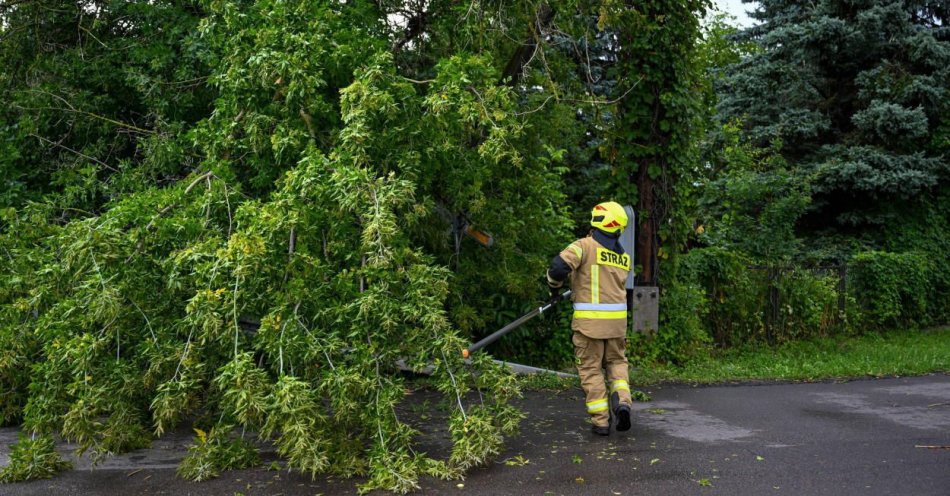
{"points": [[856, 92]]}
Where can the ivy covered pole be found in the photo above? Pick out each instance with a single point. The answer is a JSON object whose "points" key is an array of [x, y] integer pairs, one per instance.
{"points": [[654, 141]]}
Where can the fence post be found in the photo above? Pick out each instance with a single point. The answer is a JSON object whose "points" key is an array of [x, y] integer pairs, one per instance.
{"points": [[842, 287], [773, 304]]}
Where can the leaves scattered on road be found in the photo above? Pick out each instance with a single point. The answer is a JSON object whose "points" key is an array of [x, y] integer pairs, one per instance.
{"points": [[517, 461]]}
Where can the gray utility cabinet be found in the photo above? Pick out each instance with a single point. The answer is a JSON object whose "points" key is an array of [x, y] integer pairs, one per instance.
{"points": [[644, 300], [646, 308]]}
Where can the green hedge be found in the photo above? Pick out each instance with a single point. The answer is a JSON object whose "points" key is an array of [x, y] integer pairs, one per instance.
{"points": [[739, 298], [680, 336], [808, 305], [894, 289], [734, 294], [719, 297]]}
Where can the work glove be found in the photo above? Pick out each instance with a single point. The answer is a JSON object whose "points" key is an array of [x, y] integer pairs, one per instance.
{"points": [[555, 295]]}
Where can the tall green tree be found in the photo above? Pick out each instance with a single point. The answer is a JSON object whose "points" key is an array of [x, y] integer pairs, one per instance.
{"points": [[856, 92], [654, 147]]}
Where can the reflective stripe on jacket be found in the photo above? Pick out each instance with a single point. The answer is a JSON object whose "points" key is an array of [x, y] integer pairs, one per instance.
{"points": [[597, 285]]}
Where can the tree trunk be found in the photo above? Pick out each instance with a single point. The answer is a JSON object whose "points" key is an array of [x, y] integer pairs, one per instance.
{"points": [[515, 66], [646, 227]]}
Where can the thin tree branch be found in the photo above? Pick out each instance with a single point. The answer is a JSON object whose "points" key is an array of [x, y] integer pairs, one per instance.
{"points": [[416, 81], [309, 121], [73, 109], [545, 102], [523, 55], [83, 155], [607, 102]]}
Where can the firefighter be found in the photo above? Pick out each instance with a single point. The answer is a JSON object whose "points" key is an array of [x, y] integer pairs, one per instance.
{"points": [[597, 267]]}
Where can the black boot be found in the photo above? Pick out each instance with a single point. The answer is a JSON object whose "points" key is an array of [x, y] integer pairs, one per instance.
{"points": [[601, 431], [623, 417]]}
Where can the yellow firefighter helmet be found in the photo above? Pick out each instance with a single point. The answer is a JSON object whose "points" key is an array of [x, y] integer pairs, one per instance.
{"points": [[608, 217]]}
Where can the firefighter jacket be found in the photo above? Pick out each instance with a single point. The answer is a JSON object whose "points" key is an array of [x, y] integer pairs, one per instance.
{"points": [[598, 269]]}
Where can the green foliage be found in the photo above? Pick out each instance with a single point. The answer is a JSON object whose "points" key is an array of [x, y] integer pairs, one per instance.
{"points": [[809, 306], [856, 92], [214, 451], [244, 390], [924, 231], [543, 381], [656, 135], [892, 288], [33, 458], [211, 164], [751, 204], [95, 94], [746, 303], [825, 129], [717, 51], [734, 294], [895, 353], [680, 337], [296, 415], [754, 201]]}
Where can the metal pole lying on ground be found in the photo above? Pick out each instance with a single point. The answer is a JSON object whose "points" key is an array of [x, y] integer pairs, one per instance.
{"points": [[514, 325]]}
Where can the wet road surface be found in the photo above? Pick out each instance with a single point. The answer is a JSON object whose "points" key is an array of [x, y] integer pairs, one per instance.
{"points": [[865, 437]]}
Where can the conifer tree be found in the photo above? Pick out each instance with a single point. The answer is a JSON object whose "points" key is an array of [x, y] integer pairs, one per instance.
{"points": [[856, 96]]}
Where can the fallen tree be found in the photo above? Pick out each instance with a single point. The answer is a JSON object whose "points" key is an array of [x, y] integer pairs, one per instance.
{"points": [[313, 204], [309, 165]]}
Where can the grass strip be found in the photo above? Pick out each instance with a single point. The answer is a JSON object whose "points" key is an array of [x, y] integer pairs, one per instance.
{"points": [[896, 353], [872, 355]]}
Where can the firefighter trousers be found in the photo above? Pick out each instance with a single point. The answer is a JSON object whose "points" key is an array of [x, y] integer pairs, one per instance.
{"points": [[592, 357]]}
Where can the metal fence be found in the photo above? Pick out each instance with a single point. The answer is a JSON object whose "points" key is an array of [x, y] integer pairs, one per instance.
{"points": [[780, 303]]}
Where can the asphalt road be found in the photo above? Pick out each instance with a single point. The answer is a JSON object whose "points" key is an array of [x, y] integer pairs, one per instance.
{"points": [[867, 437]]}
